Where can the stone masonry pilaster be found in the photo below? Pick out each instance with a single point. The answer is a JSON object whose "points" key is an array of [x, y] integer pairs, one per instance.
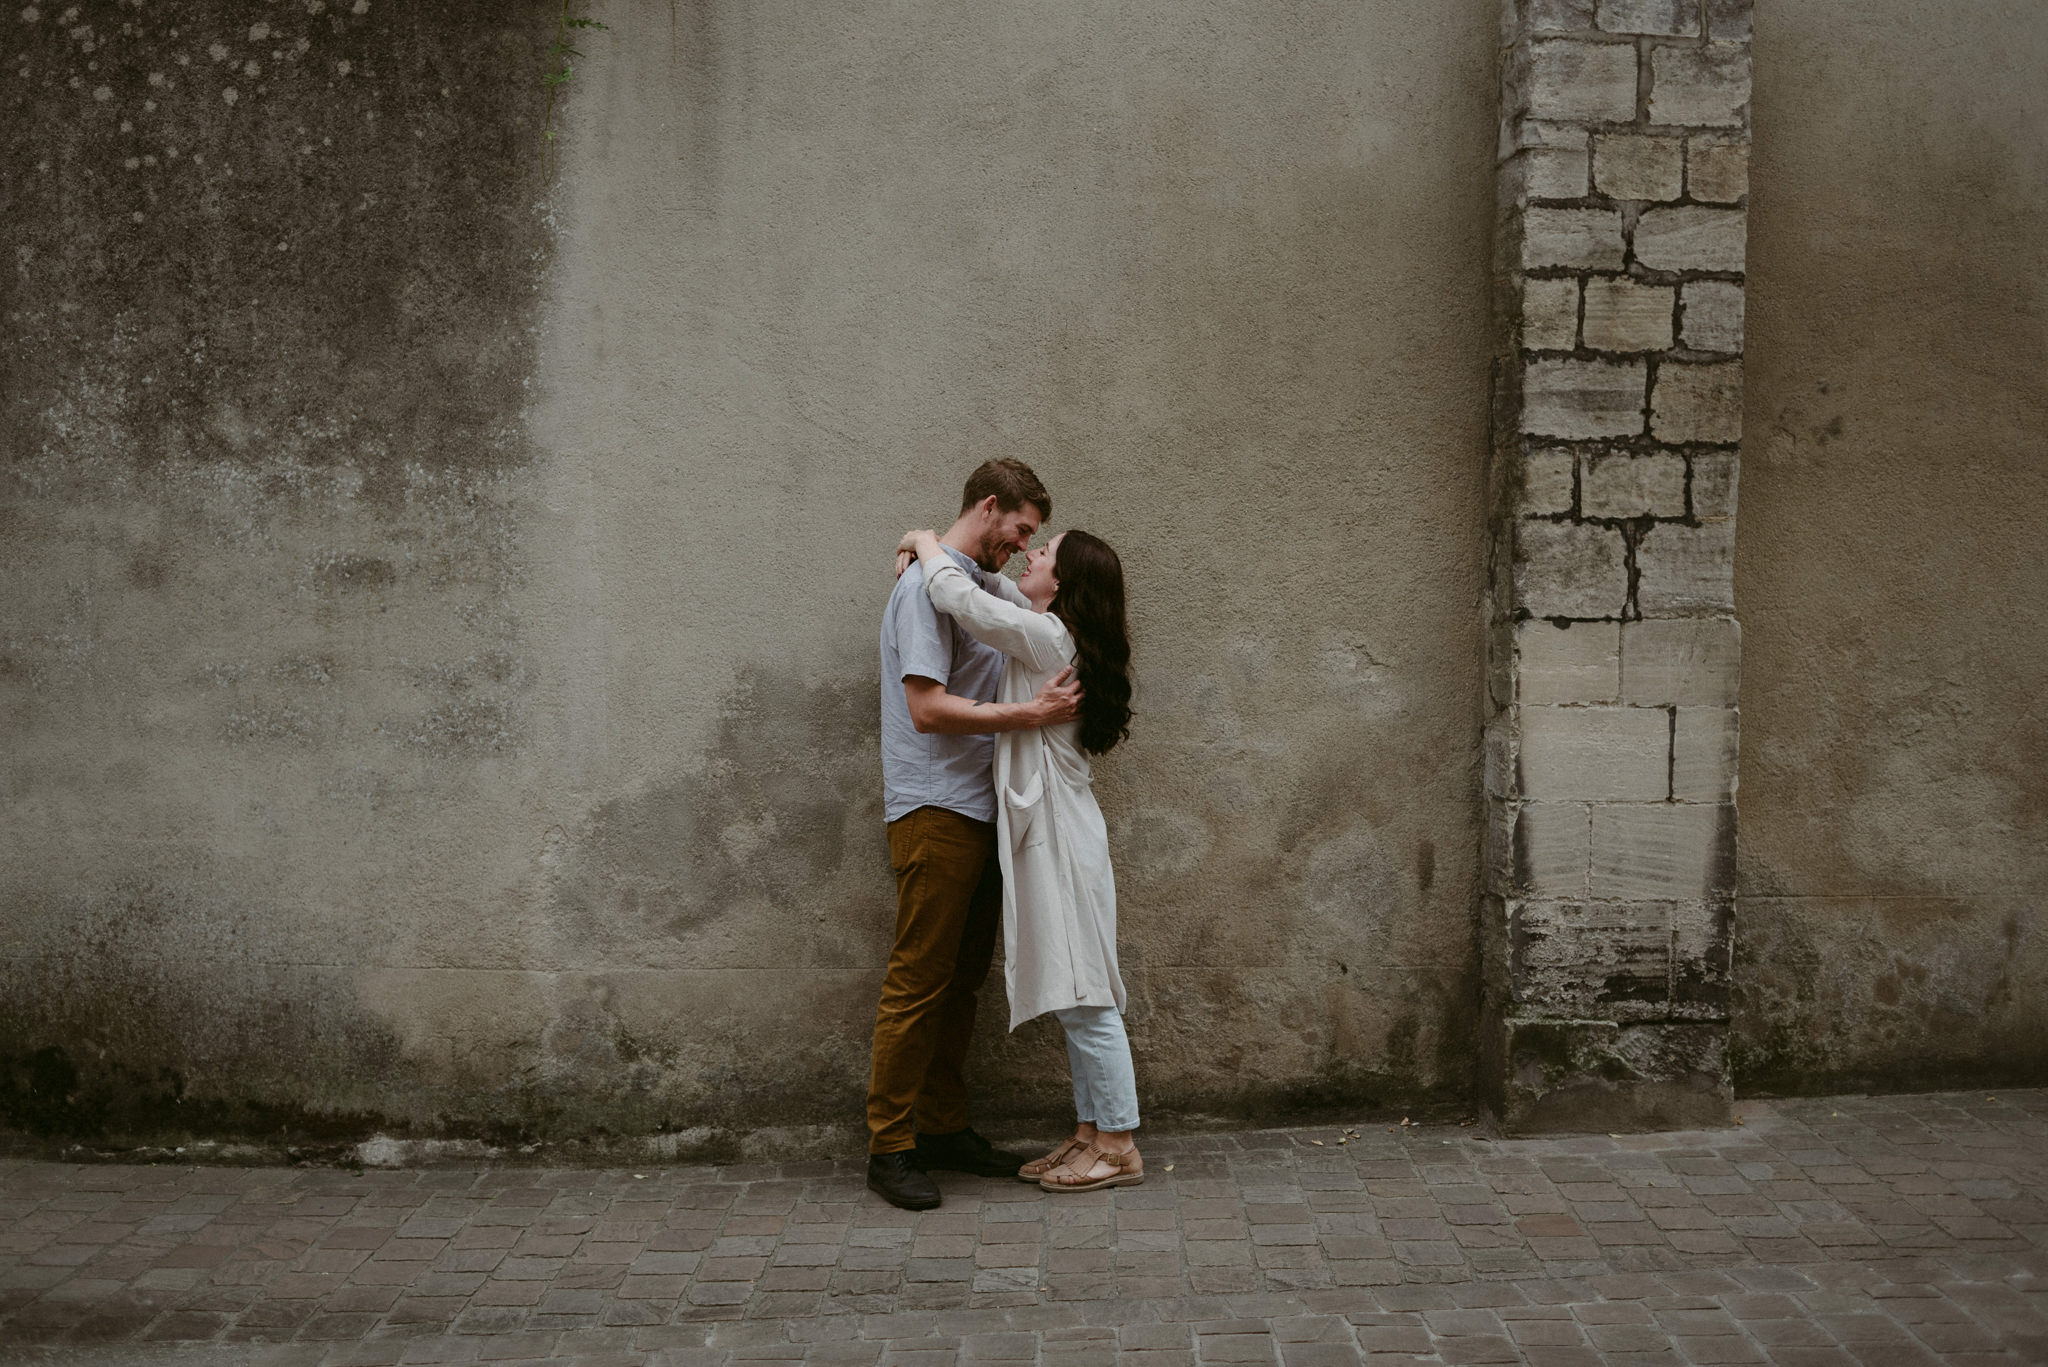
{"points": [[1613, 647]]}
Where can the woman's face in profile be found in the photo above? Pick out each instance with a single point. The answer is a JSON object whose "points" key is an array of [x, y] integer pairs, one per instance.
{"points": [[1037, 581]]}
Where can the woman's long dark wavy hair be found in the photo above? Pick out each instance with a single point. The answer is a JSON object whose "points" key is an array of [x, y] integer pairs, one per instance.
{"points": [[1090, 600]]}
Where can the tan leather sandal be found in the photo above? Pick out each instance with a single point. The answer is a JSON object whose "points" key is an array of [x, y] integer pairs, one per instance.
{"points": [[1071, 1175], [1039, 1167]]}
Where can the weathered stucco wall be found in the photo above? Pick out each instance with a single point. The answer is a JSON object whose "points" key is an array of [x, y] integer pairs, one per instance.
{"points": [[269, 318], [1891, 564], [439, 656]]}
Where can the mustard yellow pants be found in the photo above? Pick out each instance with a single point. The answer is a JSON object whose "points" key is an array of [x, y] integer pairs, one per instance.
{"points": [[949, 906]]}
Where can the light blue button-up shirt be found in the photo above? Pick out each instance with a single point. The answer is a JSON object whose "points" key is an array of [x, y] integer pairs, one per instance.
{"points": [[919, 770]]}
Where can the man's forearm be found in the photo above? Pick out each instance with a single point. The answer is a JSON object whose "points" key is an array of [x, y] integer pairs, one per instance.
{"points": [[951, 715]]}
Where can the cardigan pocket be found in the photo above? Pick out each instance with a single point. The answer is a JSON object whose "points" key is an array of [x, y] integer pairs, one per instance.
{"points": [[1025, 827]]}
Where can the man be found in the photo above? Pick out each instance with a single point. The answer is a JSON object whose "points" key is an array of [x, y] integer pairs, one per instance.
{"points": [[939, 716]]}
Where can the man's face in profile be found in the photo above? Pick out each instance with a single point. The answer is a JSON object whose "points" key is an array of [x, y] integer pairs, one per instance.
{"points": [[1006, 533]]}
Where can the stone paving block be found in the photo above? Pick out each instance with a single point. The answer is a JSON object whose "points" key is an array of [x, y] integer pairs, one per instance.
{"points": [[1545, 1333], [1254, 1347], [1015, 1347]]}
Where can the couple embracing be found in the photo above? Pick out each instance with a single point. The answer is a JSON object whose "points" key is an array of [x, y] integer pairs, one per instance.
{"points": [[994, 694]]}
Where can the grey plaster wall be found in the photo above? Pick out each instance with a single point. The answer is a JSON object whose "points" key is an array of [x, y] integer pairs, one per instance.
{"points": [[438, 662], [270, 316], [1891, 566]]}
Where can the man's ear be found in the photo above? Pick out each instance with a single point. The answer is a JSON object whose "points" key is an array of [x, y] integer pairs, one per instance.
{"points": [[987, 510]]}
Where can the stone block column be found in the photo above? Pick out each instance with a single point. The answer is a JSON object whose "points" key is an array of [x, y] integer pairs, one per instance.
{"points": [[1613, 645]]}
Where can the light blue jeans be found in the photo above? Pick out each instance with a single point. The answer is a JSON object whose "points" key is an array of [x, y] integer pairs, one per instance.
{"points": [[1099, 1053]]}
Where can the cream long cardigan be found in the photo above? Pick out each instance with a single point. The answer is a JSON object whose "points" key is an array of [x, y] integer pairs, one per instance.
{"points": [[1059, 895]]}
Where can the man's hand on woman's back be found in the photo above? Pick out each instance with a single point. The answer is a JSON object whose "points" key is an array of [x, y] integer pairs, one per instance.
{"points": [[1060, 699]]}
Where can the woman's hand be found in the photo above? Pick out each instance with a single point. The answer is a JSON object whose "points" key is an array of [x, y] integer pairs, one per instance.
{"points": [[908, 548], [922, 543]]}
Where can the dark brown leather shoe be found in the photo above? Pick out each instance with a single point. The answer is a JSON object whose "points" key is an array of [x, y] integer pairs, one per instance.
{"points": [[898, 1179]]}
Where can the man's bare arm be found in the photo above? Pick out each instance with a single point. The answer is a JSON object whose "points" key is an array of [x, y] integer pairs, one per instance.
{"points": [[934, 711]]}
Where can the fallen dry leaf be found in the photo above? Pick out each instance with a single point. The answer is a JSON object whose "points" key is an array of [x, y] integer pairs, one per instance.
{"points": [[1317, 1142], [1167, 1168]]}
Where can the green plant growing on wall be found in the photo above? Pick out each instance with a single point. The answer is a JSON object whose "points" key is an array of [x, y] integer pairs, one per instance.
{"points": [[561, 50]]}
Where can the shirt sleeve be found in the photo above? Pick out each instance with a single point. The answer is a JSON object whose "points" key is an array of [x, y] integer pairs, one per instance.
{"points": [[921, 645], [1036, 638], [1005, 588]]}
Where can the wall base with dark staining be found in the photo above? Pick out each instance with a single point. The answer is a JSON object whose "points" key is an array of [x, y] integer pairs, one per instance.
{"points": [[1850, 994]]}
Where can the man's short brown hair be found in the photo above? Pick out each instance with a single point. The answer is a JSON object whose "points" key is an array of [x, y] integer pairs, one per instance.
{"points": [[1013, 484]]}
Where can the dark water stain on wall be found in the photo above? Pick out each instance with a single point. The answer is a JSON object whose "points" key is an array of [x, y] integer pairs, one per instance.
{"points": [[1885, 994], [759, 825], [238, 230], [140, 1012]]}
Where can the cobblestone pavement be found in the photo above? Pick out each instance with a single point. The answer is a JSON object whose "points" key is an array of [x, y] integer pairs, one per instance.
{"points": [[1855, 1230]]}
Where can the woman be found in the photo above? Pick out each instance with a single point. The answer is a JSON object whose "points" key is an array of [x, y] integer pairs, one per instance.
{"points": [[1059, 895]]}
